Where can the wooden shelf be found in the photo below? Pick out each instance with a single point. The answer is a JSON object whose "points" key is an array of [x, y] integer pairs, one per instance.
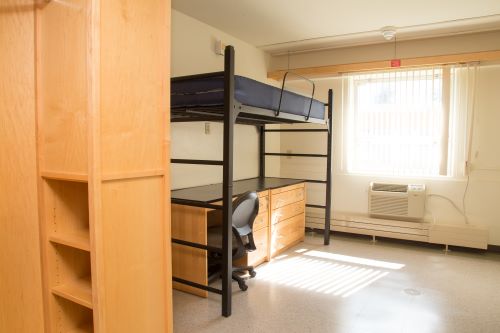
{"points": [[68, 176], [78, 291], [103, 164], [79, 240]]}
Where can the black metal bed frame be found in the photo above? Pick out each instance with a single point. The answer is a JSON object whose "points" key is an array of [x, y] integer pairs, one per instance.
{"points": [[230, 113]]}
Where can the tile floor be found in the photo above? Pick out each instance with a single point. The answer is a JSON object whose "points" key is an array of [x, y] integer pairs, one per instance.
{"points": [[354, 285]]}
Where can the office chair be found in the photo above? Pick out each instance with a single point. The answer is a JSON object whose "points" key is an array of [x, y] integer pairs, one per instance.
{"points": [[245, 209]]}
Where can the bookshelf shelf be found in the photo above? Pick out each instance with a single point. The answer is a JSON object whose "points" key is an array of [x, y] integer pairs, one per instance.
{"points": [[78, 240], [78, 291]]}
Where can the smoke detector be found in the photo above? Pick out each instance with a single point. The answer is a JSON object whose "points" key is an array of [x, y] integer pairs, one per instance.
{"points": [[388, 32]]}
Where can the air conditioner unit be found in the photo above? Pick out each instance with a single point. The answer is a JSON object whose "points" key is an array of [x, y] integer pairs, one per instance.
{"points": [[397, 201]]}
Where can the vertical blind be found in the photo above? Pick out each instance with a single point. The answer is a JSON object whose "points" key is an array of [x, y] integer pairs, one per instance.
{"points": [[400, 122]]}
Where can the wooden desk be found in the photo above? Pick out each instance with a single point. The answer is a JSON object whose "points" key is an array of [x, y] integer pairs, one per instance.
{"points": [[279, 225]]}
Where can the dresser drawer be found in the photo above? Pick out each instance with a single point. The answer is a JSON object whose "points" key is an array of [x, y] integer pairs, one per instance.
{"points": [[261, 221], [287, 188], [286, 233], [288, 211], [263, 204], [263, 193], [285, 198], [258, 256]]}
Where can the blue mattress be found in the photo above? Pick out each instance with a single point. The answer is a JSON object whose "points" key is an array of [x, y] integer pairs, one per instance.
{"points": [[209, 91]]}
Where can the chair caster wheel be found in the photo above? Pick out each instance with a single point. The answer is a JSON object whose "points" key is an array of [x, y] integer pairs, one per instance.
{"points": [[252, 273], [243, 286]]}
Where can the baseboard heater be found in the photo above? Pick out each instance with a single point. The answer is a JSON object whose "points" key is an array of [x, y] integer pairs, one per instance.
{"points": [[472, 236], [365, 225]]}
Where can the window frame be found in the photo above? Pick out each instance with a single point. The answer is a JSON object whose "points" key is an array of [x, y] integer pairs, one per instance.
{"points": [[446, 171]]}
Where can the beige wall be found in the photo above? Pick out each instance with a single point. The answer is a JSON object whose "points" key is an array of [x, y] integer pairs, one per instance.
{"points": [[350, 192], [20, 274], [193, 53]]}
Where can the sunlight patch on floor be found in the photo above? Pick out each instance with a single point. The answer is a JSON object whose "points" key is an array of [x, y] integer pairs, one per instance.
{"points": [[327, 273], [354, 260]]}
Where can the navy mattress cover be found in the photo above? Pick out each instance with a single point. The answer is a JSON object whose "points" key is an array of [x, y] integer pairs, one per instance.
{"points": [[209, 91]]}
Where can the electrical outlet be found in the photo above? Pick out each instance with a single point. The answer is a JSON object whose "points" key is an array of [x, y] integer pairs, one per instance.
{"points": [[207, 128]]}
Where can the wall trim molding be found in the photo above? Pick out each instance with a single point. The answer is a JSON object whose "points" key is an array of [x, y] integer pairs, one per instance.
{"points": [[334, 70]]}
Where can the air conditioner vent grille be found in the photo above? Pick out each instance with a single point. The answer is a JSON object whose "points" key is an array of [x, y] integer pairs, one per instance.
{"points": [[384, 205], [390, 187]]}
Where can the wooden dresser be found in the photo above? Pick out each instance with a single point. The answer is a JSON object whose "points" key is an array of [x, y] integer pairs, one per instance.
{"points": [[287, 217]]}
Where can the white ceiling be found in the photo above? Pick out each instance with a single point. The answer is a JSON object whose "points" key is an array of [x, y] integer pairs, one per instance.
{"points": [[293, 25]]}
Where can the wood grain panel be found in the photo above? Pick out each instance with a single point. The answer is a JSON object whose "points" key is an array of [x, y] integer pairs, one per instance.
{"points": [[286, 198], [287, 188], [133, 229], [190, 224], [133, 85], [287, 233], [263, 194], [258, 256], [62, 92], [287, 211], [263, 204], [261, 221], [21, 308]]}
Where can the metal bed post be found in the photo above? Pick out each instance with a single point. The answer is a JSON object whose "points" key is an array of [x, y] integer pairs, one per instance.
{"points": [[227, 181], [262, 151], [328, 199]]}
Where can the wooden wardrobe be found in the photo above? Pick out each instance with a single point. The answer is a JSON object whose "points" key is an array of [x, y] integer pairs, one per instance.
{"points": [[103, 142]]}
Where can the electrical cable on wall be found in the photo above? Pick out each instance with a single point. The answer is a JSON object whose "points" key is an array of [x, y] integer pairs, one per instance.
{"points": [[461, 211]]}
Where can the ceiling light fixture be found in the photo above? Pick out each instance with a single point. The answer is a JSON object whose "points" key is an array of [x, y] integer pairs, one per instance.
{"points": [[388, 32]]}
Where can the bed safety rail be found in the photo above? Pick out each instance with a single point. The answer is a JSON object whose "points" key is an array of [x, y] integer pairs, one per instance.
{"points": [[283, 91]]}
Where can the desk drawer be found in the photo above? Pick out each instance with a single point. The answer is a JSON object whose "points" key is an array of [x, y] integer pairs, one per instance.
{"points": [[288, 211], [287, 188], [261, 221], [287, 233], [258, 256], [285, 198], [263, 204]]}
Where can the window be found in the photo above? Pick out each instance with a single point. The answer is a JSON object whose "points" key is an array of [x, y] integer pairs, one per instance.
{"points": [[406, 122]]}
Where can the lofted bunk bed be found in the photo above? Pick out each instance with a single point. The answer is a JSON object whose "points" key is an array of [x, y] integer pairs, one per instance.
{"points": [[228, 98]]}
